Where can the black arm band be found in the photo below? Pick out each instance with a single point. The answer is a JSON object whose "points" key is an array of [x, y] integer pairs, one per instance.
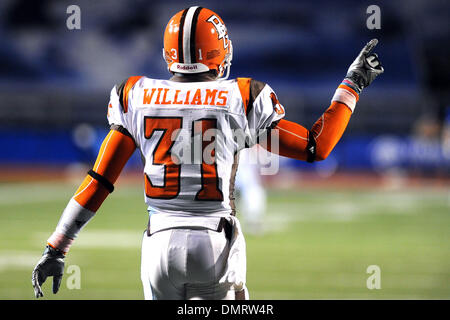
{"points": [[311, 148], [108, 185]]}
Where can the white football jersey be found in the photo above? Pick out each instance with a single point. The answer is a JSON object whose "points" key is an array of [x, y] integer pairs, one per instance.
{"points": [[189, 135]]}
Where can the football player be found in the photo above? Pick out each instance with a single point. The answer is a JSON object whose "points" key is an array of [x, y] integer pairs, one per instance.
{"points": [[252, 194], [193, 247]]}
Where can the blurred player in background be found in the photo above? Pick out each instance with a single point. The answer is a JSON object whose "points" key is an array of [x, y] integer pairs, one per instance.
{"points": [[251, 193], [189, 130]]}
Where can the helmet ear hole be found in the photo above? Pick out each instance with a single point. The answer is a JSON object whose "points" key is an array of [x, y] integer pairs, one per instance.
{"points": [[166, 58], [164, 55]]}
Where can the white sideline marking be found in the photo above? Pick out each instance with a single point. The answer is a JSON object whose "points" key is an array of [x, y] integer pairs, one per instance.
{"points": [[279, 216], [32, 193], [22, 193], [18, 260], [103, 239]]}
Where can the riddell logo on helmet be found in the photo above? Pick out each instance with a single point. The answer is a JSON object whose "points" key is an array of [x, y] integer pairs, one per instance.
{"points": [[187, 67]]}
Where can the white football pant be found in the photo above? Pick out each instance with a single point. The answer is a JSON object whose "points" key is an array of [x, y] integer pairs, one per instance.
{"points": [[186, 264]]}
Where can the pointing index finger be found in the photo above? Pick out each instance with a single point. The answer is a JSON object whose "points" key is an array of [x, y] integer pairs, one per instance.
{"points": [[369, 46]]}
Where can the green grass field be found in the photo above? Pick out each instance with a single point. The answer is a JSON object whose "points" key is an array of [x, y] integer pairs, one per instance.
{"points": [[317, 244]]}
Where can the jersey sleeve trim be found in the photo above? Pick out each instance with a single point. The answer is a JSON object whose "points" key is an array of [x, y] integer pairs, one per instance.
{"points": [[123, 130], [244, 89], [123, 90], [255, 89], [250, 90]]}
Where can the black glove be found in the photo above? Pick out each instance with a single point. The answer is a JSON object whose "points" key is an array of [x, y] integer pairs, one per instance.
{"points": [[365, 68], [51, 264]]}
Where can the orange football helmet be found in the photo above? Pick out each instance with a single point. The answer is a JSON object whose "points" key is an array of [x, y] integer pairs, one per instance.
{"points": [[196, 40]]}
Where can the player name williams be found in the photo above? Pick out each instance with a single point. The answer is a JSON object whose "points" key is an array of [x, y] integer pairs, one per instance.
{"points": [[240, 309], [167, 96]]}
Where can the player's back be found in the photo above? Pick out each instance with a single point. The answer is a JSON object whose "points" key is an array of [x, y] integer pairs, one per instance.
{"points": [[189, 135]]}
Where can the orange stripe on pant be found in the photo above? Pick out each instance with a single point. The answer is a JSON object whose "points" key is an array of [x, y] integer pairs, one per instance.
{"points": [[114, 153], [328, 129]]}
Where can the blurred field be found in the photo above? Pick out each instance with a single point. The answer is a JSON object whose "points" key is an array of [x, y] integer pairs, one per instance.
{"points": [[317, 245]]}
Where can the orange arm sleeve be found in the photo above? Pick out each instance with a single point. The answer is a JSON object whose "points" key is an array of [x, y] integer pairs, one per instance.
{"points": [[114, 153], [327, 130]]}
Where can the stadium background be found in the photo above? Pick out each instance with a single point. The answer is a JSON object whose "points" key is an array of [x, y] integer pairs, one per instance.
{"points": [[382, 197]]}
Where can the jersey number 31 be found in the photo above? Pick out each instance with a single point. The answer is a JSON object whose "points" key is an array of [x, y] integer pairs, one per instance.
{"points": [[209, 191]]}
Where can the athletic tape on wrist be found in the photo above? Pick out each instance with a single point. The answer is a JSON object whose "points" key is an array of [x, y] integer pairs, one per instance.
{"points": [[345, 96], [60, 242], [73, 219]]}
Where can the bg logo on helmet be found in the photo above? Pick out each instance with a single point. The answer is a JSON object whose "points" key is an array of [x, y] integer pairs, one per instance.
{"points": [[221, 30]]}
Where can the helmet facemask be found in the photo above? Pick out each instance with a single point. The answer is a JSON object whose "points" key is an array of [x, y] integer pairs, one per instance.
{"points": [[226, 63]]}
